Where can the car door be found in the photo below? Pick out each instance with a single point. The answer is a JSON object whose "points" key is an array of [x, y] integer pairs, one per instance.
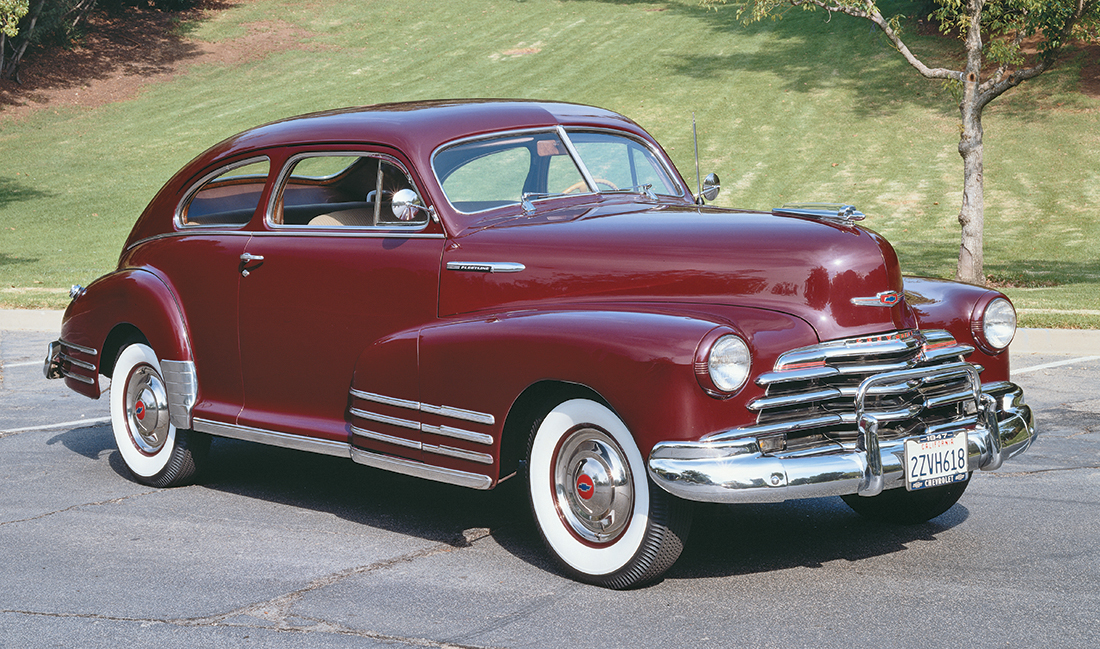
{"points": [[333, 272], [202, 264]]}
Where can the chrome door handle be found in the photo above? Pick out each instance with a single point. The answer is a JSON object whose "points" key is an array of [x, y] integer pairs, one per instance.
{"points": [[246, 259]]}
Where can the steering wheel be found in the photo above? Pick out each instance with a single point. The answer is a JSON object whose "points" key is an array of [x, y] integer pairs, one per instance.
{"points": [[580, 184]]}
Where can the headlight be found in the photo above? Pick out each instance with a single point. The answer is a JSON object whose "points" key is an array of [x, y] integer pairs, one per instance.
{"points": [[728, 363], [997, 325]]}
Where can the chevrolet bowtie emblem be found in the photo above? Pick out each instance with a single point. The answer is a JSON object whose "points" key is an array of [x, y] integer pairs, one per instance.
{"points": [[885, 298]]}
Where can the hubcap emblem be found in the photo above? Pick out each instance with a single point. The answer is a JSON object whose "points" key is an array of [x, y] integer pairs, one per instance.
{"points": [[585, 486], [139, 410]]}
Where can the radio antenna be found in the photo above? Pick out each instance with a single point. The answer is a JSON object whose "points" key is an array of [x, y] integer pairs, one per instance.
{"points": [[695, 136]]}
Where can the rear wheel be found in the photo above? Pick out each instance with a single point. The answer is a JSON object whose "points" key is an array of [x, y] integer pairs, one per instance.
{"points": [[155, 451], [593, 503], [908, 507]]}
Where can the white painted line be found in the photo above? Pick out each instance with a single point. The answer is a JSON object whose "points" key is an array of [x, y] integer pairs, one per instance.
{"points": [[1047, 366], [24, 364], [66, 424]]}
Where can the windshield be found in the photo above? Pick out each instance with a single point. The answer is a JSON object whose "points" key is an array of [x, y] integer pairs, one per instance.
{"points": [[495, 172]]}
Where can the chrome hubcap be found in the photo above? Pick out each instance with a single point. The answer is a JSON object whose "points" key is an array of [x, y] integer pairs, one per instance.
{"points": [[593, 487], [147, 409]]}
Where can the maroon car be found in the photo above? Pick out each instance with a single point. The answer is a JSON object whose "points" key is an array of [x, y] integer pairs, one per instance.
{"points": [[468, 291]]}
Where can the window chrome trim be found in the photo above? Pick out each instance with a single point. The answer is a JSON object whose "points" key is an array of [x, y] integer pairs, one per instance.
{"points": [[177, 218], [284, 174]]}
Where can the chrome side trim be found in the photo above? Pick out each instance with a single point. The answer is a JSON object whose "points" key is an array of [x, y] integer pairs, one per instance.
{"points": [[273, 438], [387, 439], [486, 266], [80, 348], [457, 433], [443, 411], [182, 384], [421, 470], [385, 419], [462, 454], [459, 413], [79, 363], [79, 377]]}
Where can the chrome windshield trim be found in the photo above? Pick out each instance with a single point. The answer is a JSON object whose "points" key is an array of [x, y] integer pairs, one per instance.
{"points": [[273, 438], [588, 178], [421, 470]]}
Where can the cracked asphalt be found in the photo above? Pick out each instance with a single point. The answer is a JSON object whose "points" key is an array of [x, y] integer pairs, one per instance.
{"points": [[277, 548]]}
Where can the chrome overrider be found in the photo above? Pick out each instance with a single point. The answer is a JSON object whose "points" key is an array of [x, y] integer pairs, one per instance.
{"points": [[731, 467]]}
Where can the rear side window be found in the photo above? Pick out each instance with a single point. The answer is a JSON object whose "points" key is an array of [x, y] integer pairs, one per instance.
{"points": [[228, 196]]}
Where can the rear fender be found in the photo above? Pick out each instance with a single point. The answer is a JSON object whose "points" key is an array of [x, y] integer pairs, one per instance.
{"points": [[119, 307]]}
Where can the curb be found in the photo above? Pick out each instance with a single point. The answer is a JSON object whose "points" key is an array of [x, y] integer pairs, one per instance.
{"points": [[1062, 342]]}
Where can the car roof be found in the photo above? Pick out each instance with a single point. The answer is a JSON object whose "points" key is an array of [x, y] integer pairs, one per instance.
{"points": [[417, 128]]}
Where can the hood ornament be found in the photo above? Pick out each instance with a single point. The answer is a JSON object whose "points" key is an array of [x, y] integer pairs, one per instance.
{"points": [[828, 211]]}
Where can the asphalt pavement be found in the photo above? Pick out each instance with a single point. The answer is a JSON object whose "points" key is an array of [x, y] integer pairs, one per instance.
{"points": [[278, 548]]}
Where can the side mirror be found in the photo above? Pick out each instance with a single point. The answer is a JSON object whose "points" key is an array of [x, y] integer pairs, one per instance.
{"points": [[405, 204], [711, 187]]}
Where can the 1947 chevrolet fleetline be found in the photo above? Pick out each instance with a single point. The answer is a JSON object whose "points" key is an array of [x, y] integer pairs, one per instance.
{"points": [[468, 291]]}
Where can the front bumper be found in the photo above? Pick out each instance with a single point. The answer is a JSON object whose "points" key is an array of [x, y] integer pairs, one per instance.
{"points": [[735, 470]]}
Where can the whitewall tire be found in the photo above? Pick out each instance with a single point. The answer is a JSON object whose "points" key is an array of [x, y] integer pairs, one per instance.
{"points": [[593, 502], [155, 452]]}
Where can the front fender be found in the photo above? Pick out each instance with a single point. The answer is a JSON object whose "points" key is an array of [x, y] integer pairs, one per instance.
{"points": [[954, 306], [115, 305], [641, 363]]}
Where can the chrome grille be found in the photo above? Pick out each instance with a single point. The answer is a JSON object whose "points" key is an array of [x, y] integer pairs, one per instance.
{"points": [[810, 394]]}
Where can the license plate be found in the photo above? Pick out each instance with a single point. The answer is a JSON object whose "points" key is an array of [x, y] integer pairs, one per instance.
{"points": [[934, 460]]}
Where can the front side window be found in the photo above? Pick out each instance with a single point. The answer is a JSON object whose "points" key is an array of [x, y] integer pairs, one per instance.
{"points": [[495, 172], [228, 196], [345, 189]]}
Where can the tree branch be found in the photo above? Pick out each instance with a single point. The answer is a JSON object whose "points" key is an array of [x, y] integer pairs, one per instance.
{"points": [[870, 12]]}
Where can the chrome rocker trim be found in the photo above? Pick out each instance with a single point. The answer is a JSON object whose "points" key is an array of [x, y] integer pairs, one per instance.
{"points": [[735, 470]]}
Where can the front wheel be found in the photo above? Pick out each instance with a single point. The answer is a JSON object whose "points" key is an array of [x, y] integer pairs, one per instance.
{"points": [[595, 507], [908, 507], [155, 452]]}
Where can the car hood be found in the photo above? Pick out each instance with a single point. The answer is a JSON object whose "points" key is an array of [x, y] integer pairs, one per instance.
{"points": [[628, 252]]}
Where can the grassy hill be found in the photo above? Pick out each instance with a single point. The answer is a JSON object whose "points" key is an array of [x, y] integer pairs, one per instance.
{"points": [[809, 108]]}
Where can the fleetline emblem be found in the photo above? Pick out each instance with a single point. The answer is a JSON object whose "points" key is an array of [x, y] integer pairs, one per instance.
{"points": [[885, 298]]}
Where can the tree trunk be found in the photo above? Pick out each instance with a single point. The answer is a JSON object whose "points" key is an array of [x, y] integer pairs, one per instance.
{"points": [[972, 215]]}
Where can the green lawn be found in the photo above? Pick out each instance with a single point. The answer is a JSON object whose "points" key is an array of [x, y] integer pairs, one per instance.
{"points": [[803, 109]]}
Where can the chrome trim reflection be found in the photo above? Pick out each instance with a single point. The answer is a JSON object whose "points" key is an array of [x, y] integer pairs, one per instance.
{"points": [[385, 419], [421, 470], [458, 433]]}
